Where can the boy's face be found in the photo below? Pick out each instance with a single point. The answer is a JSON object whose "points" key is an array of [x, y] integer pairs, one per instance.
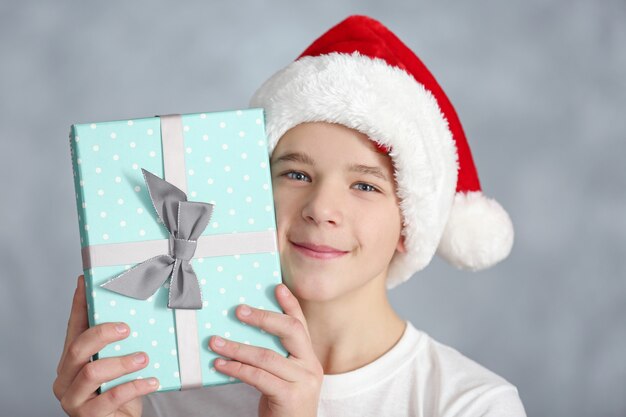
{"points": [[332, 188]]}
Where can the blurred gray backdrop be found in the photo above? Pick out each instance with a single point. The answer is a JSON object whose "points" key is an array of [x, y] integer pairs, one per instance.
{"points": [[539, 86]]}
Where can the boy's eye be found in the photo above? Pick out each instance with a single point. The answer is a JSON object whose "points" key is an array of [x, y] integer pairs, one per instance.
{"points": [[367, 187], [296, 175]]}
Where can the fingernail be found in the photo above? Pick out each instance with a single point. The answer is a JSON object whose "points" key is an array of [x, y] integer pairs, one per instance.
{"points": [[283, 289], [152, 381], [245, 310], [139, 358], [219, 341], [121, 328]]}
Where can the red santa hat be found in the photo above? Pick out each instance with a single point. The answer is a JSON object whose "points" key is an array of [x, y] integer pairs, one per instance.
{"points": [[360, 75]]}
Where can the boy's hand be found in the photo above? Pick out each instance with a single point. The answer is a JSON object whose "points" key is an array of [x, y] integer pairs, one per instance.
{"points": [[78, 378], [290, 386]]}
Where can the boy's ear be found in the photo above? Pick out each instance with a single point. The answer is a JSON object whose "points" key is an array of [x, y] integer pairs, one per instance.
{"points": [[400, 247]]}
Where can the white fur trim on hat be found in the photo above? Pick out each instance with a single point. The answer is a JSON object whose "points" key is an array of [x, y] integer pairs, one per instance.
{"points": [[392, 108]]}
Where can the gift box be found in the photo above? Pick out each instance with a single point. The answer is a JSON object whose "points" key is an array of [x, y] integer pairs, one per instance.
{"points": [[177, 228]]}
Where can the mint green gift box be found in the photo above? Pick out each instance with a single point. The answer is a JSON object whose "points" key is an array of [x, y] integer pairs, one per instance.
{"points": [[223, 161]]}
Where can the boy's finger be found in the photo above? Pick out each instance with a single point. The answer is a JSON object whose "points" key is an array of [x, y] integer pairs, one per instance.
{"points": [[78, 321], [95, 373], [109, 402], [290, 305], [81, 349]]}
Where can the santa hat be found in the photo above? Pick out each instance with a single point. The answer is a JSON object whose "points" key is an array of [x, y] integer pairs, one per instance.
{"points": [[360, 75]]}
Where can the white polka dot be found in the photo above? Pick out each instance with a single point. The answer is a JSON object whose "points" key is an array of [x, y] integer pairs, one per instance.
{"points": [[250, 220], [237, 256], [261, 143], [87, 227], [170, 330], [152, 154], [247, 342], [135, 166], [229, 190], [186, 128], [222, 125], [193, 193], [149, 299], [258, 121], [255, 264], [231, 212], [222, 290], [132, 145], [224, 146], [103, 214], [139, 210], [113, 135], [239, 277], [96, 316], [130, 123], [95, 148], [79, 161], [242, 134], [81, 182], [258, 286], [156, 365], [135, 334], [105, 237], [137, 188], [246, 177], [123, 223], [152, 321], [188, 150], [215, 225], [154, 343], [263, 165], [266, 186], [203, 116], [118, 179], [142, 232], [117, 347], [77, 139], [207, 325], [120, 201], [84, 205], [275, 273], [176, 374], [173, 352], [207, 159], [205, 304], [149, 132], [242, 299], [94, 294], [238, 112], [227, 168], [200, 260], [116, 157], [226, 334], [209, 181], [205, 137], [248, 199], [224, 312], [268, 208], [191, 172], [203, 281], [132, 312], [98, 170], [112, 303], [244, 155], [93, 125]]}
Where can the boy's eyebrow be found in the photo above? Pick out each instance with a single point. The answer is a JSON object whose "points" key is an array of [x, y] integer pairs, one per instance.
{"points": [[295, 157], [306, 159]]}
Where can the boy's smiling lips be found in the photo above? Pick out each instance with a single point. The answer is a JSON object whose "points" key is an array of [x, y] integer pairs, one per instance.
{"points": [[317, 251]]}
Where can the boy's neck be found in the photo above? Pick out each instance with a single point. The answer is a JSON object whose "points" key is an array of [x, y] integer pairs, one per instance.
{"points": [[350, 332]]}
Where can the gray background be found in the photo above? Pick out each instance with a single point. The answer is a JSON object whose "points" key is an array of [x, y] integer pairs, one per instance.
{"points": [[539, 87]]}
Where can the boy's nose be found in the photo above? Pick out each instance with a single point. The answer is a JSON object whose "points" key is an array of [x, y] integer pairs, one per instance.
{"points": [[323, 206]]}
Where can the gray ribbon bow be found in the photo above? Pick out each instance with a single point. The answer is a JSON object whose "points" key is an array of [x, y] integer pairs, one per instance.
{"points": [[185, 220]]}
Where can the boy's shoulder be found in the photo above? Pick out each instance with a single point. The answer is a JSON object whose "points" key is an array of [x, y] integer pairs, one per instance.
{"points": [[463, 383]]}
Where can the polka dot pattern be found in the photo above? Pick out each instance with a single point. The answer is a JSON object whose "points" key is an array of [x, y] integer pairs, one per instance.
{"points": [[224, 165]]}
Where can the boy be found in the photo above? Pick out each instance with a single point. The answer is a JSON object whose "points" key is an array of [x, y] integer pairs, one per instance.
{"points": [[371, 175]]}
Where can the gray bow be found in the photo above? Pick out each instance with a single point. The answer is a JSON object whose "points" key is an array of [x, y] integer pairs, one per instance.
{"points": [[185, 220]]}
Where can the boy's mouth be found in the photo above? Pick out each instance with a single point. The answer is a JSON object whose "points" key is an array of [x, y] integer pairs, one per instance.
{"points": [[317, 251]]}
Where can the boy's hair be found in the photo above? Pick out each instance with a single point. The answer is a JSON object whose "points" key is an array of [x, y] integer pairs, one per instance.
{"points": [[360, 75]]}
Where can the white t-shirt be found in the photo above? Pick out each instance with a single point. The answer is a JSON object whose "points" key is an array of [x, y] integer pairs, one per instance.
{"points": [[418, 376]]}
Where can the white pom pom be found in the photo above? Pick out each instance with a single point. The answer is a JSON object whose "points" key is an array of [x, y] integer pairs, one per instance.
{"points": [[479, 233]]}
